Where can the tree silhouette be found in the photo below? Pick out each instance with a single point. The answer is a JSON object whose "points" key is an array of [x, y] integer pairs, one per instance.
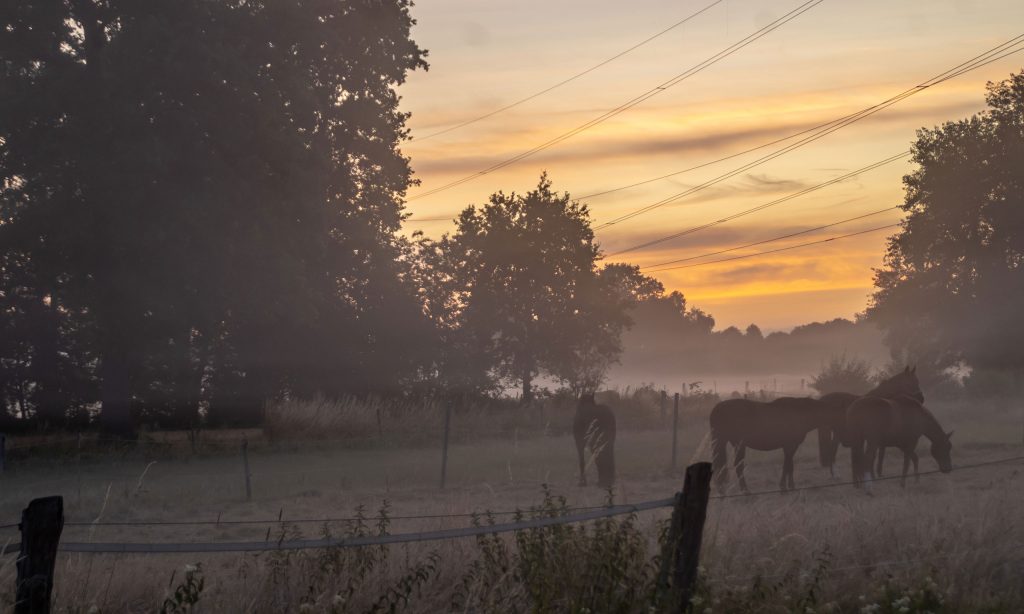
{"points": [[527, 291], [208, 193], [952, 287]]}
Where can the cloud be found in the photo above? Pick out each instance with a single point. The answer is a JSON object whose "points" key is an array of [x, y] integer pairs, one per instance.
{"points": [[628, 142]]}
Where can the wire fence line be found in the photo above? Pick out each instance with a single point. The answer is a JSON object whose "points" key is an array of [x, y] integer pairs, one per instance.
{"points": [[353, 542], [420, 536], [577, 509]]}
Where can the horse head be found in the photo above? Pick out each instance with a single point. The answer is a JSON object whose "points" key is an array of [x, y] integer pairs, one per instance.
{"points": [[903, 383], [940, 452]]}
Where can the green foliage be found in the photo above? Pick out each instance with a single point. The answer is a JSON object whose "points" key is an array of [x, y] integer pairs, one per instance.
{"points": [[186, 594], [843, 374], [587, 567]]}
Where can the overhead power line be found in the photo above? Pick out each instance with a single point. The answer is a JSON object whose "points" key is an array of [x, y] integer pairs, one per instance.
{"points": [[780, 249], [1006, 49], [994, 54], [763, 206], [721, 55], [568, 80], [768, 240]]}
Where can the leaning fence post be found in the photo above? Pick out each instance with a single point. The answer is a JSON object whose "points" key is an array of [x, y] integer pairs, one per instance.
{"points": [[245, 462], [3, 451], [675, 429], [41, 525], [681, 552], [444, 446]]}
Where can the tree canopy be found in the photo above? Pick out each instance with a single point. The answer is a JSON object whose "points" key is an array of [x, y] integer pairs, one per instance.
{"points": [[200, 202], [526, 291], [952, 286]]}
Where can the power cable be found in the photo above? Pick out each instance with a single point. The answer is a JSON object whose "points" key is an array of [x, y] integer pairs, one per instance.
{"points": [[567, 80], [803, 8]]}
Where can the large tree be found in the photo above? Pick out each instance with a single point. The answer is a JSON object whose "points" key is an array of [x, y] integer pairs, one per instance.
{"points": [[952, 287], [210, 190], [526, 291]]}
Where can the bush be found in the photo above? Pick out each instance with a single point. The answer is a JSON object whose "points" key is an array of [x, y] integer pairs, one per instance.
{"points": [[842, 374]]}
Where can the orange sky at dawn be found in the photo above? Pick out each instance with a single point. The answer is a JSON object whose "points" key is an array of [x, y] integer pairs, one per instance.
{"points": [[836, 59]]}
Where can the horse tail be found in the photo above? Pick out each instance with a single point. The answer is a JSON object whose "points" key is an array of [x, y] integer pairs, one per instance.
{"points": [[719, 459]]}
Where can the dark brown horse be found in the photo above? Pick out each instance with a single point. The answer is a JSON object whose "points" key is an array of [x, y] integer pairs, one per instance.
{"points": [[782, 423], [903, 384], [873, 423], [594, 429]]}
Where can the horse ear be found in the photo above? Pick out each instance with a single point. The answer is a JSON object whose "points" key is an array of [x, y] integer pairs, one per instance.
{"points": [[949, 435], [914, 370], [906, 369]]}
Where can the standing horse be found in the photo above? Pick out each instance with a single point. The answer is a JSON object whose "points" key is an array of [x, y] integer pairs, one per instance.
{"points": [[903, 384], [594, 428], [782, 423], [873, 423]]}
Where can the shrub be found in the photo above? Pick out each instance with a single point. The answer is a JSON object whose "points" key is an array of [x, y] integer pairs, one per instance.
{"points": [[842, 374]]}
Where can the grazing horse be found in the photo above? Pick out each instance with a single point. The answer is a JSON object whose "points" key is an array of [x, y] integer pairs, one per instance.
{"points": [[782, 423], [873, 423], [903, 384], [594, 428]]}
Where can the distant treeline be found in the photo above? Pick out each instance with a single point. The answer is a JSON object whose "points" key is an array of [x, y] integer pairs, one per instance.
{"points": [[666, 344]]}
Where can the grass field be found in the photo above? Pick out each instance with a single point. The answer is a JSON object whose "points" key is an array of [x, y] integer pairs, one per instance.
{"points": [[960, 532]]}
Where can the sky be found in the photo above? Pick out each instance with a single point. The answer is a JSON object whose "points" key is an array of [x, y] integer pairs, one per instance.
{"points": [[837, 58]]}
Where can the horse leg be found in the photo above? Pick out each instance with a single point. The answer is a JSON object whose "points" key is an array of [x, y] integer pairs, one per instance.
{"points": [[833, 454], [787, 469], [739, 463], [906, 467], [720, 461], [580, 446], [868, 466], [881, 459], [870, 453], [913, 459], [856, 460]]}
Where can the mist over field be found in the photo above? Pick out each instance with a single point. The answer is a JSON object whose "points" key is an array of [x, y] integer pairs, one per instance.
{"points": [[367, 306]]}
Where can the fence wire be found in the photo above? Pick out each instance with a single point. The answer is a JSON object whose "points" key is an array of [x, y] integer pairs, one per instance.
{"points": [[383, 540]]}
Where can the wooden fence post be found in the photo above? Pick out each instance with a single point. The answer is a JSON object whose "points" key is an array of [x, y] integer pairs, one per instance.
{"points": [[681, 552], [41, 524], [245, 462], [3, 451], [675, 430], [664, 397], [444, 446]]}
